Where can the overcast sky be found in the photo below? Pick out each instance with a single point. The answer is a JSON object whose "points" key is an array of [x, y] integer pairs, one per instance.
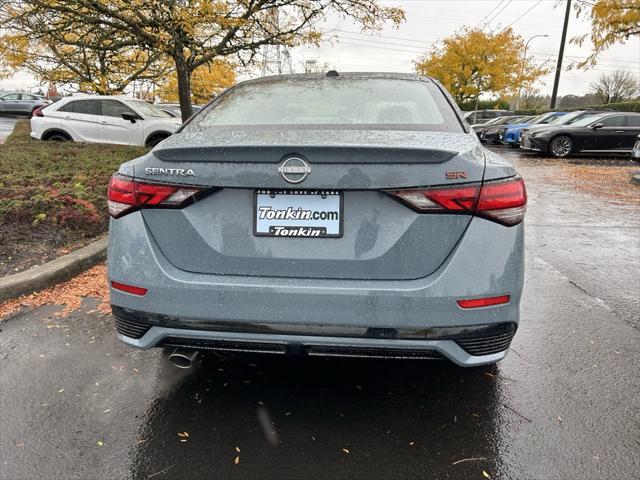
{"points": [[428, 21]]}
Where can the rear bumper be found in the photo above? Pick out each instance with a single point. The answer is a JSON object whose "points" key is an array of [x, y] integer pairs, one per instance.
{"points": [[467, 346], [488, 261]]}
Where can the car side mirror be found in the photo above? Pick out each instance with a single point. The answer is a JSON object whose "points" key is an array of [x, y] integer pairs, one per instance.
{"points": [[596, 126], [132, 117]]}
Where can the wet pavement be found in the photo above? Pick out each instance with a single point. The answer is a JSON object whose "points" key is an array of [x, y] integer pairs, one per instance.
{"points": [[565, 403], [7, 123]]}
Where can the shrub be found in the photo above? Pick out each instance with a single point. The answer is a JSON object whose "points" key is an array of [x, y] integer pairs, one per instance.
{"points": [[47, 186]]}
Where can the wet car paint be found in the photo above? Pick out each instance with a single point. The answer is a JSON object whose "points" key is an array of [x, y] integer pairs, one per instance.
{"points": [[563, 404]]}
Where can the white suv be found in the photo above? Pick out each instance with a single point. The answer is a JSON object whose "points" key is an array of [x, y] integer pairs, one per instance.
{"points": [[103, 119]]}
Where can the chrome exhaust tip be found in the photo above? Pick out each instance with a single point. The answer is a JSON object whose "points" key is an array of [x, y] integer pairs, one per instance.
{"points": [[181, 358]]}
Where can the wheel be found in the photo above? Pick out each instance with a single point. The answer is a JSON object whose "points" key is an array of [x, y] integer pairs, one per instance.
{"points": [[58, 137], [156, 139], [561, 146]]}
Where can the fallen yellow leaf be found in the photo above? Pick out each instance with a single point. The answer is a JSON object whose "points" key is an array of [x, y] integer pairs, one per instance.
{"points": [[485, 474], [238, 449], [100, 443], [237, 460], [346, 450]]}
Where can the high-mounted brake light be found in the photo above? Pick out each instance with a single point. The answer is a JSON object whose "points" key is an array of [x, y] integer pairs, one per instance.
{"points": [[127, 194], [503, 201], [484, 302]]}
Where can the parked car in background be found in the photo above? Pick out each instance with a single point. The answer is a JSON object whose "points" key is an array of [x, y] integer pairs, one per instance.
{"points": [[611, 132], [635, 154], [21, 103], [103, 119], [489, 134], [510, 135], [173, 109], [299, 229], [482, 116], [478, 126], [566, 119]]}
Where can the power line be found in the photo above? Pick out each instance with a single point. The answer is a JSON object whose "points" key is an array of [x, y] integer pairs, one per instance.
{"points": [[397, 41], [493, 10], [499, 12], [528, 10]]}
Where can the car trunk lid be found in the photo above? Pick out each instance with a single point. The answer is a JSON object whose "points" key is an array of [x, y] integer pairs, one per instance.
{"points": [[381, 238]]}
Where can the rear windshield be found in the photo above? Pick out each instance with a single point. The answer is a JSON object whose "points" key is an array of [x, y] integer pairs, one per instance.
{"points": [[345, 102]]}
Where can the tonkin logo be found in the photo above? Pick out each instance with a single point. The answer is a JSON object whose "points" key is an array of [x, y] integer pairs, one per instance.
{"points": [[294, 169]]}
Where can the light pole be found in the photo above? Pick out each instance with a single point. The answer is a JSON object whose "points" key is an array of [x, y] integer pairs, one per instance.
{"points": [[524, 59]]}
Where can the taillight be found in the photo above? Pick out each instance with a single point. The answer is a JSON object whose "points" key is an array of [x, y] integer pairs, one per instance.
{"points": [[503, 201], [38, 112], [127, 194]]}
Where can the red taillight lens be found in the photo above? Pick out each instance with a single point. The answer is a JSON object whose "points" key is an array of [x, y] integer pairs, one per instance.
{"points": [[123, 287], [456, 199], [484, 302], [38, 112], [503, 201], [127, 194]]}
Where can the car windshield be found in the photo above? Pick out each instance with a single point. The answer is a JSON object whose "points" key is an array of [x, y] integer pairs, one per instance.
{"points": [[147, 109], [559, 119], [587, 120], [541, 118], [512, 120], [418, 105], [496, 121]]}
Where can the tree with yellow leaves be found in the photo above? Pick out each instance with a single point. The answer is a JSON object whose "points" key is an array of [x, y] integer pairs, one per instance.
{"points": [[612, 21], [193, 33], [206, 81], [473, 62], [90, 59]]}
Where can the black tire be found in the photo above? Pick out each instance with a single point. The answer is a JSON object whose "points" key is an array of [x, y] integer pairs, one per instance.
{"points": [[155, 139], [560, 146], [57, 137]]}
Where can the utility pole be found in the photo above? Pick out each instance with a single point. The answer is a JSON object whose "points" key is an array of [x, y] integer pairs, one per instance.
{"points": [[554, 95]]}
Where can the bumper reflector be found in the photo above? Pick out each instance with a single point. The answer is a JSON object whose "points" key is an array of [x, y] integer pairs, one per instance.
{"points": [[484, 302], [129, 288]]}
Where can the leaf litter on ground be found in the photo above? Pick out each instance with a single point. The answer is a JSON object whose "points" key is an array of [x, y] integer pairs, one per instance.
{"points": [[92, 283]]}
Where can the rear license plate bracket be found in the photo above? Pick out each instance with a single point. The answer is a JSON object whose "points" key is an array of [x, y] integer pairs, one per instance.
{"points": [[298, 213]]}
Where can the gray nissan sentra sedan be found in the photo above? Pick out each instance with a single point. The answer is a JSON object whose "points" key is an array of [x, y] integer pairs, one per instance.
{"points": [[326, 215]]}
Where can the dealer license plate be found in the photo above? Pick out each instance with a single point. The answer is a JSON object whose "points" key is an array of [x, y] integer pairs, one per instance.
{"points": [[298, 213]]}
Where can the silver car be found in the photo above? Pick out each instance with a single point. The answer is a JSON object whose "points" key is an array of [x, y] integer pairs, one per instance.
{"points": [[342, 214], [21, 103]]}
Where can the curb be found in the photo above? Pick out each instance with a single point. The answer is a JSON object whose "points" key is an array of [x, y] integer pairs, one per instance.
{"points": [[635, 178], [56, 271]]}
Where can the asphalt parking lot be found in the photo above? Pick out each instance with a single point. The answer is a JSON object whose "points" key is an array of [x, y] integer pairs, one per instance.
{"points": [[6, 126], [76, 403]]}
